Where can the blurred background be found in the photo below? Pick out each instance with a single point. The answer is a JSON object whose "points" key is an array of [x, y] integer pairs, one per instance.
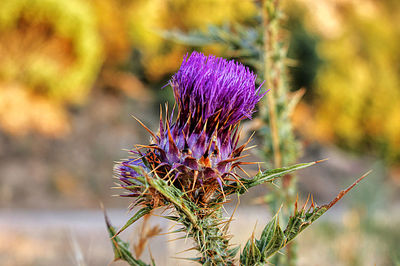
{"points": [[73, 72]]}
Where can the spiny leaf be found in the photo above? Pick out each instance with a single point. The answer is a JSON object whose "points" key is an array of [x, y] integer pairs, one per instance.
{"points": [[273, 238], [121, 248], [234, 251], [139, 214], [251, 254], [264, 177], [172, 218], [175, 196]]}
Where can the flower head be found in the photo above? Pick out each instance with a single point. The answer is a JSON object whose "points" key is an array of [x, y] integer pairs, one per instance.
{"points": [[198, 150], [209, 86]]}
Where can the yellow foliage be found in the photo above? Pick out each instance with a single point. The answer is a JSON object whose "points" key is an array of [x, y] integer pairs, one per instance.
{"points": [[22, 111], [51, 51], [358, 88], [50, 56]]}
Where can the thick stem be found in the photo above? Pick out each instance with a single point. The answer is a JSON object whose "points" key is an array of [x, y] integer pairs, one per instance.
{"points": [[202, 224], [270, 24], [273, 68], [211, 240]]}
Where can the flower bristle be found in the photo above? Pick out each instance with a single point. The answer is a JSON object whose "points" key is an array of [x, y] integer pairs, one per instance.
{"points": [[197, 151]]}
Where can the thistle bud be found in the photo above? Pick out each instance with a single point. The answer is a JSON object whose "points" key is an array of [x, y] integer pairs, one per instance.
{"points": [[198, 150]]}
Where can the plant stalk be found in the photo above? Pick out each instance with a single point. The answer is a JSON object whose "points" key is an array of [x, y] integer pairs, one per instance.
{"points": [[270, 25], [273, 68], [211, 240]]}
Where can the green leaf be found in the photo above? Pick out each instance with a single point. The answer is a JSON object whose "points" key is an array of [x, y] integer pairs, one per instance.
{"points": [[174, 196], [273, 238], [194, 38], [251, 254], [121, 248], [263, 177], [139, 214]]}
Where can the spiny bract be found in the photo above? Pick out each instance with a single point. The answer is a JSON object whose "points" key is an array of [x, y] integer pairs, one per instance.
{"points": [[197, 151]]}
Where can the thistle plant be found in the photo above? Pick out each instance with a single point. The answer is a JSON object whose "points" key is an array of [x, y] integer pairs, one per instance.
{"points": [[260, 45], [193, 164]]}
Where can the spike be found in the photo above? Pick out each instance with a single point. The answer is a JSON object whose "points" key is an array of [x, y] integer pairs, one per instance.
{"points": [[147, 129], [220, 185], [196, 173], [243, 171], [226, 226], [305, 204], [344, 192], [239, 150], [172, 149], [161, 122]]}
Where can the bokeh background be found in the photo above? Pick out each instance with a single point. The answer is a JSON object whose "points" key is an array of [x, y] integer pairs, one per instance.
{"points": [[73, 72]]}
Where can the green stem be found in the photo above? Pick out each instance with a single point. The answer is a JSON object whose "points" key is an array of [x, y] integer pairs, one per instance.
{"points": [[205, 226], [274, 71], [211, 240]]}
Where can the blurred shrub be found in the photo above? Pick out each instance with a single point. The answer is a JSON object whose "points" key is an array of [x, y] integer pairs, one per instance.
{"points": [[358, 88], [149, 18], [50, 55], [52, 51]]}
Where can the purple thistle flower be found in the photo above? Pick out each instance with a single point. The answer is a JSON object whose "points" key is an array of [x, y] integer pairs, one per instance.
{"points": [[199, 150], [207, 86]]}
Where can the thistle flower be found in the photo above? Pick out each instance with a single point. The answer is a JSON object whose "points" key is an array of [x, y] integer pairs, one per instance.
{"points": [[198, 150]]}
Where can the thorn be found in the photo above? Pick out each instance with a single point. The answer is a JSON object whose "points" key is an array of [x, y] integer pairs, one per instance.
{"points": [[186, 250], [238, 180], [170, 177], [234, 159], [276, 185], [226, 226], [179, 238], [147, 129], [249, 148], [305, 204], [295, 204], [238, 166], [196, 173], [150, 254], [222, 206], [154, 169], [220, 181], [148, 147], [320, 161], [281, 253], [344, 192], [312, 202]]}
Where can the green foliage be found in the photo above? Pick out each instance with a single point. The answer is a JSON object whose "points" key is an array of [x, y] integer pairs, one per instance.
{"points": [[267, 176], [142, 212], [240, 42], [357, 98], [206, 226], [121, 248], [273, 237]]}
